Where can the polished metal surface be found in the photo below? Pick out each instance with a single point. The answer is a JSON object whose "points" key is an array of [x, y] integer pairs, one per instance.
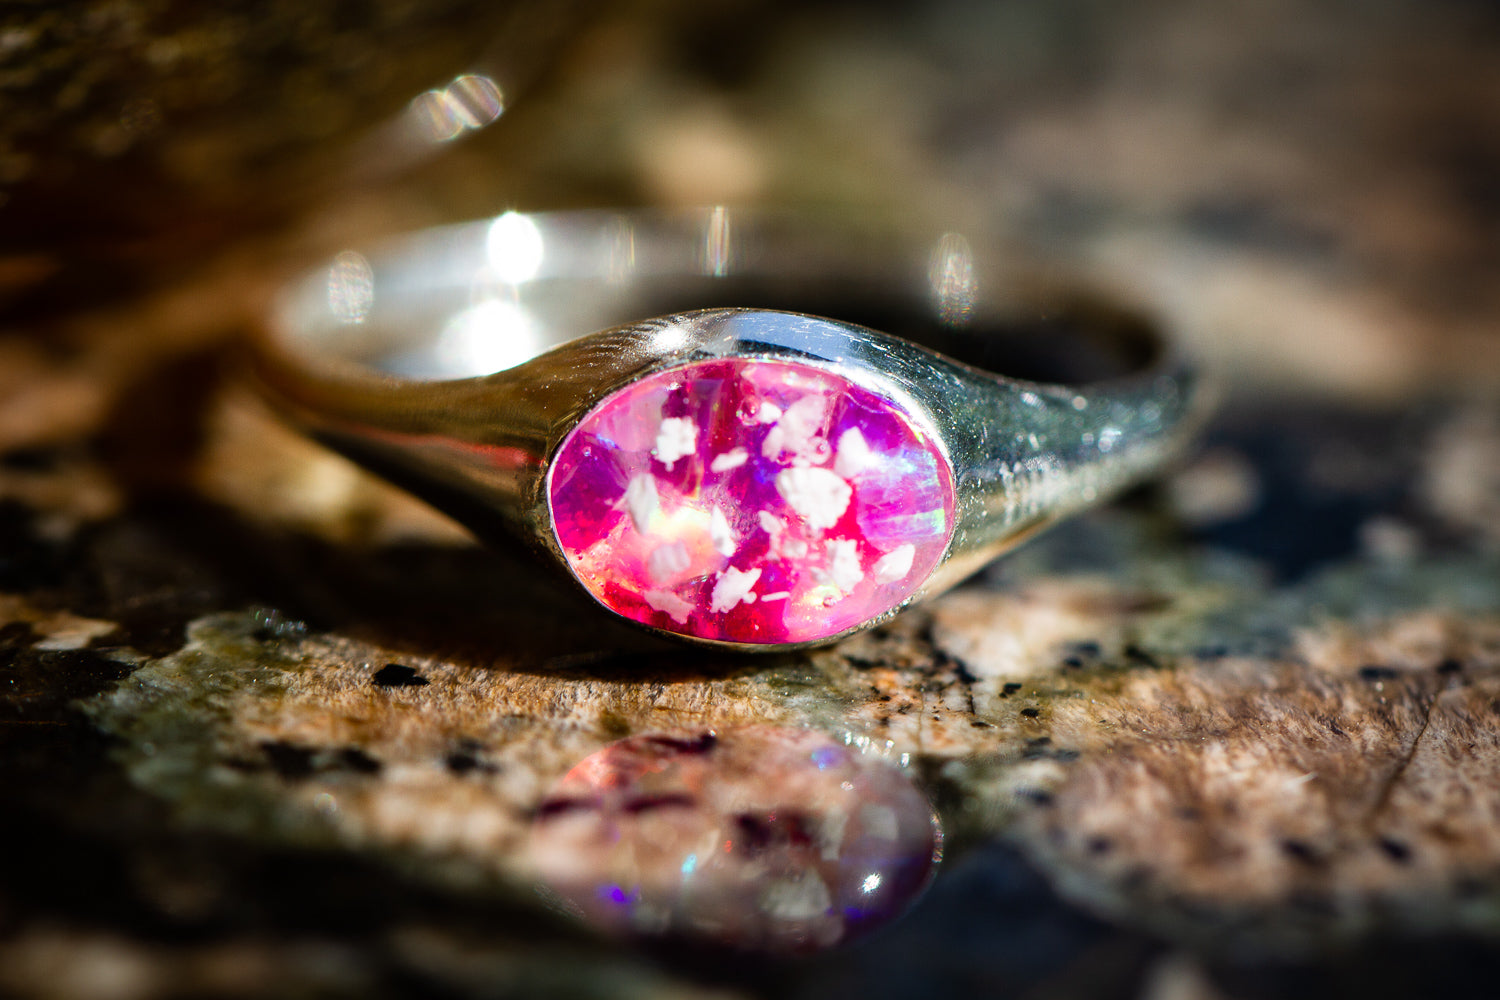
{"points": [[456, 362]]}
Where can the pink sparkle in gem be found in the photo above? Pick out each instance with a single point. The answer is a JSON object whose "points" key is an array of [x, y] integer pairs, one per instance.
{"points": [[750, 501]]}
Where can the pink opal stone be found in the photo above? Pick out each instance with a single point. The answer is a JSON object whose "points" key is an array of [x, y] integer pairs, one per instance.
{"points": [[750, 501]]}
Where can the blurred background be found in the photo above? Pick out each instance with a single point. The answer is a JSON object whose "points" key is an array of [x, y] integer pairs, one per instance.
{"points": [[1308, 189], [1307, 193]]}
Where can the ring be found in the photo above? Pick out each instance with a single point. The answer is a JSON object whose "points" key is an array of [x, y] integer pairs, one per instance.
{"points": [[735, 470]]}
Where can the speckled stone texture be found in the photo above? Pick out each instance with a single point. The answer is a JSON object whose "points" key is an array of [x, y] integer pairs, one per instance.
{"points": [[753, 502]]}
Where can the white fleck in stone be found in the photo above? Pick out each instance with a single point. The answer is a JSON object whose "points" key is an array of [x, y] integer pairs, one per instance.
{"points": [[642, 501], [668, 561], [774, 443], [844, 571], [668, 604], [732, 587], [820, 496], [853, 455], [720, 533], [783, 546], [800, 431], [729, 460], [780, 595], [894, 565], [768, 413], [798, 899], [675, 438]]}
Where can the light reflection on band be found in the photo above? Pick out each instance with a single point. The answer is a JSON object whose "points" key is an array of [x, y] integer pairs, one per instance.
{"points": [[351, 288], [489, 336], [717, 245], [951, 277], [620, 264], [514, 248]]}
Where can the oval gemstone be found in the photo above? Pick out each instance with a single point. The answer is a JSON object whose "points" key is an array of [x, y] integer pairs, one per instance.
{"points": [[759, 838], [750, 501]]}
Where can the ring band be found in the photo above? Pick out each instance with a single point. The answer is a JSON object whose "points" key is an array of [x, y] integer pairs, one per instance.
{"points": [[740, 476]]}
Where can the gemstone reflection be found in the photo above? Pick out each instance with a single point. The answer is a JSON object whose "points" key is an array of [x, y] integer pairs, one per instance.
{"points": [[761, 839]]}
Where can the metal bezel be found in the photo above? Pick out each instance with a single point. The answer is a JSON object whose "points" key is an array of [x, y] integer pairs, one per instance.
{"points": [[834, 333]]}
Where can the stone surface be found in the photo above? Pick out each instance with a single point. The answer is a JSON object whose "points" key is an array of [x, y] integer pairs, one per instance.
{"points": [[755, 838], [750, 502]]}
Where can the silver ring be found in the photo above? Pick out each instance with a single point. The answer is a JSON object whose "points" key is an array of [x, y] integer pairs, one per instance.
{"points": [[748, 477]]}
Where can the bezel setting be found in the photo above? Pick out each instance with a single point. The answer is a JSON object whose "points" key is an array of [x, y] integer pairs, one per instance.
{"points": [[751, 500]]}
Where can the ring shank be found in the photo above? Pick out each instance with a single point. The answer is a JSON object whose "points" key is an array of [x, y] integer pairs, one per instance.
{"points": [[455, 362], [471, 299]]}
